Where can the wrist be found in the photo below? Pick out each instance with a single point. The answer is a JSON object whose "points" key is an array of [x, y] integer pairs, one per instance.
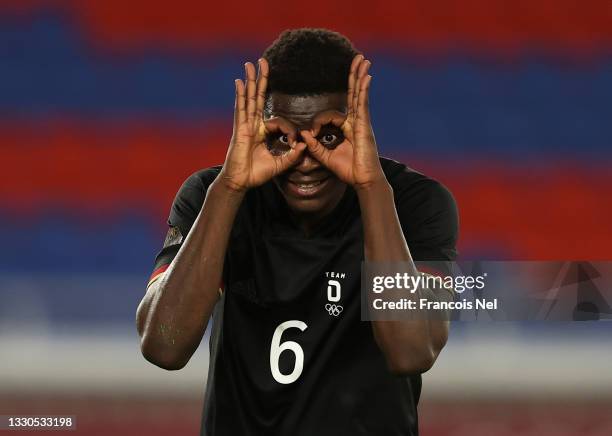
{"points": [[376, 186], [374, 192], [227, 188], [228, 183]]}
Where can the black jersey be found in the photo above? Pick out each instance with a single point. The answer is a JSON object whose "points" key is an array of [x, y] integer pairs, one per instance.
{"points": [[289, 354]]}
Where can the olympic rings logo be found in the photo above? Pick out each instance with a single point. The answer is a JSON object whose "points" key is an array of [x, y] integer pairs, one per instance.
{"points": [[334, 310]]}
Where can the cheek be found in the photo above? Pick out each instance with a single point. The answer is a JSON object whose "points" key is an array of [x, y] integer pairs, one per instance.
{"points": [[336, 187]]}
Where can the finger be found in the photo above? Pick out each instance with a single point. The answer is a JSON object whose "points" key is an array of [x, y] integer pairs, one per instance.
{"points": [[280, 124], [239, 104], [316, 149], [363, 69], [361, 72], [262, 85], [336, 118], [251, 89], [363, 105], [351, 81], [287, 160]]}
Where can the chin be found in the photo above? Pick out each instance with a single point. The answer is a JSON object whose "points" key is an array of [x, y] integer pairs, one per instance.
{"points": [[306, 206]]}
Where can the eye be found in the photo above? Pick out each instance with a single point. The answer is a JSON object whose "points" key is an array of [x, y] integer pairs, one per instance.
{"points": [[278, 143], [328, 139], [330, 136]]}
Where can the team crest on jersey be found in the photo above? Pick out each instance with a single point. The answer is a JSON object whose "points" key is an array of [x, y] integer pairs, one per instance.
{"points": [[334, 293]]}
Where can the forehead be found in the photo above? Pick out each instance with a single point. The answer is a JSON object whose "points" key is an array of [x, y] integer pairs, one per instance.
{"points": [[300, 109]]}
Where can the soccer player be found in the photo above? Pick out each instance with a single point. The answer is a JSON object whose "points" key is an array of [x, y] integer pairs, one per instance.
{"points": [[269, 246]]}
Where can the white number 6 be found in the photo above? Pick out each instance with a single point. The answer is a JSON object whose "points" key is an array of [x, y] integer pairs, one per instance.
{"points": [[277, 348]]}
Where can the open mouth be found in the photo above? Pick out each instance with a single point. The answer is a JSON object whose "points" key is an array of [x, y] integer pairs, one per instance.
{"points": [[306, 189]]}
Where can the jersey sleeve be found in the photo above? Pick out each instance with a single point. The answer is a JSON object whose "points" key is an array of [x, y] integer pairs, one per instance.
{"points": [[429, 220], [184, 211]]}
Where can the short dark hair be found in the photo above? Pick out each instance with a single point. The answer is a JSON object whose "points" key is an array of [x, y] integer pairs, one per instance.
{"points": [[309, 61]]}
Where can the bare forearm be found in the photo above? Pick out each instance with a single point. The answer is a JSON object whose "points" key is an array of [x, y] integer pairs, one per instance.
{"points": [[173, 315], [409, 346]]}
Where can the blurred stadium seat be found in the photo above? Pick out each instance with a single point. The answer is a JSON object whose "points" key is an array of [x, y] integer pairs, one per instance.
{"points": [[106, 107]]}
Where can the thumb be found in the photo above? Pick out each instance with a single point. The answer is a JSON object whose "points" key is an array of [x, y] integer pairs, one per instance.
{"points": [[348, 130]]}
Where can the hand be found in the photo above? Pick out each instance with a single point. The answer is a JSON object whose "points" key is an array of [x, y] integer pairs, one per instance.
{"points": [[355, 160], [248, 162]]}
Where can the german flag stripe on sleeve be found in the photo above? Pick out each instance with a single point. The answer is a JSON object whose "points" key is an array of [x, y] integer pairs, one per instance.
{"points": [[157, 274]]}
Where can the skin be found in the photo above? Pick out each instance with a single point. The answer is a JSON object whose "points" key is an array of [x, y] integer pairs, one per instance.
{"points": [[287, 139], [297, 113]]}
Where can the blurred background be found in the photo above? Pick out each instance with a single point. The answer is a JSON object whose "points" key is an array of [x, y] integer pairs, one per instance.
{"points": [[106, 107]]}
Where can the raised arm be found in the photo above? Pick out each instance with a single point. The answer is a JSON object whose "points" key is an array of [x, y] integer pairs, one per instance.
{"points": [[410, 347], [172, 316]]}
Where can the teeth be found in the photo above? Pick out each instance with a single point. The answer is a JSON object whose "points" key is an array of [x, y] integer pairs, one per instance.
{"points": [[308, 185]]}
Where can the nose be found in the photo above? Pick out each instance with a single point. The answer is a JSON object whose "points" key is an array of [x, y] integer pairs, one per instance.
{"points": [[307, 163]]}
